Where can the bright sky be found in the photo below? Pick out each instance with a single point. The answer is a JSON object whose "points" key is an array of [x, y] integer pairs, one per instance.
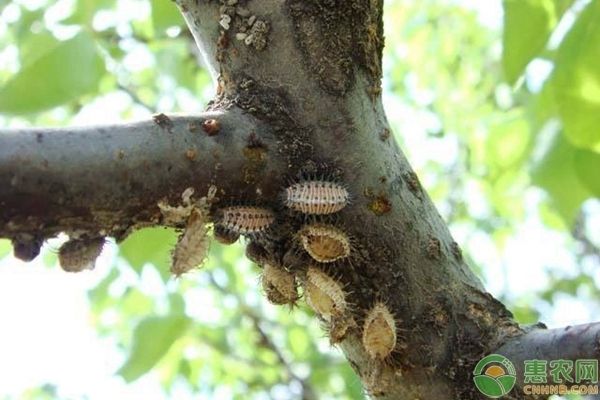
{"points": [[47, 335]]}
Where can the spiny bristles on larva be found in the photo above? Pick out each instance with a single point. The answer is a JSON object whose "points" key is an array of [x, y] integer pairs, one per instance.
{"points": [[79, 254], [192, 246], [379, 332], [324, 294], [324, 243], [316, 197], [224, 235], [279, 285], [246, 220], [339, 326]]}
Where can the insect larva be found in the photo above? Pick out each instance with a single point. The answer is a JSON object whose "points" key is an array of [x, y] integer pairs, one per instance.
{"points": [[79, 254], [324, 243], [26, 247], [379, 332], [224, 235], [279, 285], [192, 246], [246, 220], [327, 297], [324, 294], [316, 197]]}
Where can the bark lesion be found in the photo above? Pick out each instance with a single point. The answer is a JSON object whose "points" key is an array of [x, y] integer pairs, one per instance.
{"points": [[335, 37]]}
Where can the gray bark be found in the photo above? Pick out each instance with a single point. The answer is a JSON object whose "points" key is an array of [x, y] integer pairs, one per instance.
{"points": [[108, 179], [301, 99], [568, 343]]}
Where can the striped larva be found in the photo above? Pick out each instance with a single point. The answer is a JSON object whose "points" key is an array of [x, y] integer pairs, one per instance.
{"points": [[245, 219], [324, 294], [379, 332], [279, 285], [327, 297], [78, 254], [316, 197], [192, 246], [324, 243]]}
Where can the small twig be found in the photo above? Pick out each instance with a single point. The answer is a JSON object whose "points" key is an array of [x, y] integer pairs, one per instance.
{"points": [[135, 98], [265, 341], [588, 247]]}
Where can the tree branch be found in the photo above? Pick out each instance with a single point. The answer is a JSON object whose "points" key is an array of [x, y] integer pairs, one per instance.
{"points": [[109, 179], [568, 343], [308, 393]]}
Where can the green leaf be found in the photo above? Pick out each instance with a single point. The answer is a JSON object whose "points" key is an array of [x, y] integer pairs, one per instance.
{"points": [[527, 27], [84, 11], [524, 313], [576, 79], [587, 166], [173, 58], [100, 292], [5, 247], [299, 342], [152, 338], [71, 69], [176, 303], [556, 174], [150, 245], [508, 141], [165, 14], [36, 45], [22, 27]]}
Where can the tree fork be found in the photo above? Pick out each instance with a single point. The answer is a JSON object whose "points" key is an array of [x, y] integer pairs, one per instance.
{"points": [[298, 95]]}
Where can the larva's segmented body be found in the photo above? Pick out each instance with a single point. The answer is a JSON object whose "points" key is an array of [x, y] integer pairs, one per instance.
{"points": [[379, 332], [77, 255], [246, 220], [327, 297], [324, 294], [324, 243], [192, 246], [316, 197], [279, 285]]}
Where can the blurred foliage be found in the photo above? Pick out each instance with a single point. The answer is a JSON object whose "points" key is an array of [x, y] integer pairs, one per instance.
{"points": [[483, 113]]}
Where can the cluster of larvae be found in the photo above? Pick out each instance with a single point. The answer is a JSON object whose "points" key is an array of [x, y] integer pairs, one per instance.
{"points": [[325, 244]]}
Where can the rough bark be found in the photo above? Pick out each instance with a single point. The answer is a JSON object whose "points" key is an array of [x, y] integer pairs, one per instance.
{"points": [[108, 180], [300, 99]]}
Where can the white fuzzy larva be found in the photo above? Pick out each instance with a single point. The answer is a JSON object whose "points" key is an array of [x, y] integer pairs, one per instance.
{"points": [[324, 243], [192, 246], [379, 332], [77, 255], [316, 197], [279, 285], [324, 294]]}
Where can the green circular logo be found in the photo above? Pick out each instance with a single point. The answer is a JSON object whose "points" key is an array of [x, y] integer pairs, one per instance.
{"points": [[494, 376]]}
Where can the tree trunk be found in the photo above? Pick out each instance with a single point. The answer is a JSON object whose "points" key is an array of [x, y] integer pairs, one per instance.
{"points": [[298, 98]]}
